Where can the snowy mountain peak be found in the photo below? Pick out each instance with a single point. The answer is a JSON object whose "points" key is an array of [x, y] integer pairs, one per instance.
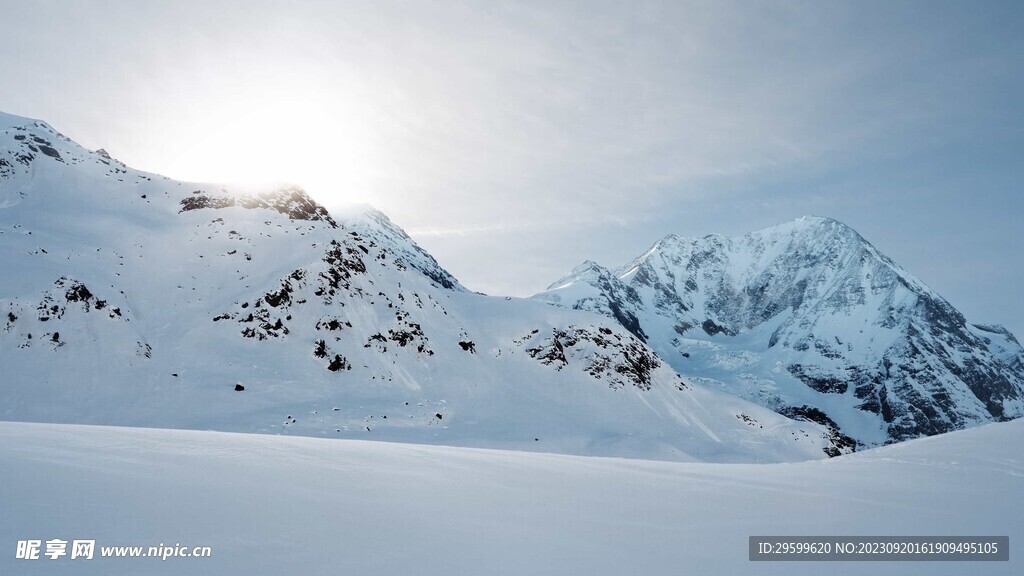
{"points": [[809, 319], [815, 221], [809, 223], [23, 140], [997, 329], [291, 201], [588, 265], [132, 299], [588, 269], [11, 121]]}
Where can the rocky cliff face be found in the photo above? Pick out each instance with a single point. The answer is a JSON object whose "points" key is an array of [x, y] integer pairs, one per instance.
{"points": [[809, 319]]}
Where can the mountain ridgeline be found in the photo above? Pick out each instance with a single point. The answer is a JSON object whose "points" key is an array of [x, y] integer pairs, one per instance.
{"points": [[129, 298], [809, 319]]}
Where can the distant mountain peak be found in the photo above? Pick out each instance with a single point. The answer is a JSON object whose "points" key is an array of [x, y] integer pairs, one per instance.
{"points": [[807, 317]]}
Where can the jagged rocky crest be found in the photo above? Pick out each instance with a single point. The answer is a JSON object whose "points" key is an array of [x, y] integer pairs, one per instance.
{"points": [[291, 201]]}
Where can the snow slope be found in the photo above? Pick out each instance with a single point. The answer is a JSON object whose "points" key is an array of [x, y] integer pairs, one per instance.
{"points": [[131, 299], [274, 504], [809, 319]]}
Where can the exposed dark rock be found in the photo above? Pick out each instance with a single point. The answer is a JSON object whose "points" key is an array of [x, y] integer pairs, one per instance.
{"points": [[77, 293], [50, 152], [551, 354], [293, 202], [839, 443], [332, 324], [339, 363], [712, 328], [819, 380], [623, 360]]}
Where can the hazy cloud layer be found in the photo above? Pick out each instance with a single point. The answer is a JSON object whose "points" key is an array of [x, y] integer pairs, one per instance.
{"points": [[514, 140]]}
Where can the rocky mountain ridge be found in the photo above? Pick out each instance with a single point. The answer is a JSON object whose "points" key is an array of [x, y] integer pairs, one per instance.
{"points": [[809, 319], [132, 299]]}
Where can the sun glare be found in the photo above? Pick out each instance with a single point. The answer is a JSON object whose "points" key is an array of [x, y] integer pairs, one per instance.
{"points": [[292, 137]]}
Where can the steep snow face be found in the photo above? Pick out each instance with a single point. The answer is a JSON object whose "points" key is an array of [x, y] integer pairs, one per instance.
{"points": [[131, 299], [809, 319]]}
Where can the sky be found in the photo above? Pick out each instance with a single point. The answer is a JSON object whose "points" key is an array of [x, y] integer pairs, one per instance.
{"points": [[514, 140]]}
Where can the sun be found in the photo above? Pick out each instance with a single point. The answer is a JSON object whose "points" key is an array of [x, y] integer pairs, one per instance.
{"points": [[282, 136]]}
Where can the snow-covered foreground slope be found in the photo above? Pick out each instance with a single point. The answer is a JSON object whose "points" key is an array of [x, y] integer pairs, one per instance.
{"points": [[280, 505], [809, 319]]}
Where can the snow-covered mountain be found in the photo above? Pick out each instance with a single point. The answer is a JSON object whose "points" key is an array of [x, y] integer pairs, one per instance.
{"points": [[809, 319], [128, 298]]}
